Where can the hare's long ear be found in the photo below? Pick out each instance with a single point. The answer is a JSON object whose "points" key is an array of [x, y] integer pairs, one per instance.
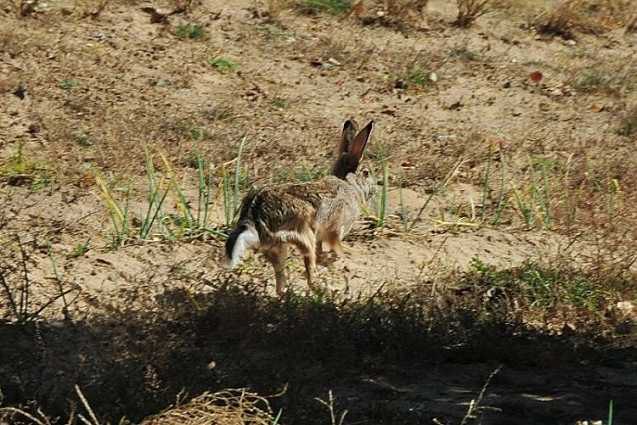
{"points": [[350, 128], [360, 141], [347, 161]]}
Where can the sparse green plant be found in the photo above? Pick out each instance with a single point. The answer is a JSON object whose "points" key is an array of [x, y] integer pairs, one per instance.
{"points": [[192, 31], [223, 64], [381, 205], [533, 201], [280, 103], [469, 11], [82, 139], [20, 170], [155, 198], [541, 287], [80, 249], [464, 54], [335, 7], [593, 80], [68, 84], [418, 76]]}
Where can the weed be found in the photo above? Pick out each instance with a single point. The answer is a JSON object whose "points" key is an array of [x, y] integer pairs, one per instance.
{"points": [[223, 64], [191, 30], [335, 7], [469, 11]]}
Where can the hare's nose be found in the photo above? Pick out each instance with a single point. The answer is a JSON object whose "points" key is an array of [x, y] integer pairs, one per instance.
{"points": [[380, 182]]}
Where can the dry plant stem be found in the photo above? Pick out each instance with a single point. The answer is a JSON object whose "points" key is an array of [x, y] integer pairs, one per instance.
{"points": [[444, 183], [470, 10], [88, 408], [474, 405], [11, 300], [25, 414]]}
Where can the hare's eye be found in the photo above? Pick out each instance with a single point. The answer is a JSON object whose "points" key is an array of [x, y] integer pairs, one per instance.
{"points": [[365, 173]]}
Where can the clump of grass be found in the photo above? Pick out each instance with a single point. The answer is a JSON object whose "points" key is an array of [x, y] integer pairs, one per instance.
{"points": [[541, 287], [186, 221], [118, 212], [628, 124], [334, 7], [191, 31], [534, 200], [469, 11], [223, 64], [405, 9], [567, 16], [231, 406], [231, 183]]}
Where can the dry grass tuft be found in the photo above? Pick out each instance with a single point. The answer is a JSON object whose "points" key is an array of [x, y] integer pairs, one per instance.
{"points": [[561, 20], [592, 17], [631, 26], [405, 10], [228, 407], [470, 10]]}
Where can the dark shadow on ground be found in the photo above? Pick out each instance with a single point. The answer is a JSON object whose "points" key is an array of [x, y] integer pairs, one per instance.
{"points": [[390, 360]]}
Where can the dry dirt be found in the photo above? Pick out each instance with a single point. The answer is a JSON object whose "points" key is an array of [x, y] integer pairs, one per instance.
{"points": [[81, 94]]}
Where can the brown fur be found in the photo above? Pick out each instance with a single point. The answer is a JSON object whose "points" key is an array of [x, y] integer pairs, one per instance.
{"points": [[305, 215]]}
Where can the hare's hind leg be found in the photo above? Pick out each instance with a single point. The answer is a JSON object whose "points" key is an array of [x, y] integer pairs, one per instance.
{"points": [[306, 244], [277, 256]]}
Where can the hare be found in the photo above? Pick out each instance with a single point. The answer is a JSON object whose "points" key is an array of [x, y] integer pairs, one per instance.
{"points": [[305, 215]]}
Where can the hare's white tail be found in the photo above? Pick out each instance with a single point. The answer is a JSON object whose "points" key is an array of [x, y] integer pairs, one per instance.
{"points": [[244, 237]]}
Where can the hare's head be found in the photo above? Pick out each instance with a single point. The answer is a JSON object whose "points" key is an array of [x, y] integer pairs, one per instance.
{"points": [[364, 182], [351, 148]]}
